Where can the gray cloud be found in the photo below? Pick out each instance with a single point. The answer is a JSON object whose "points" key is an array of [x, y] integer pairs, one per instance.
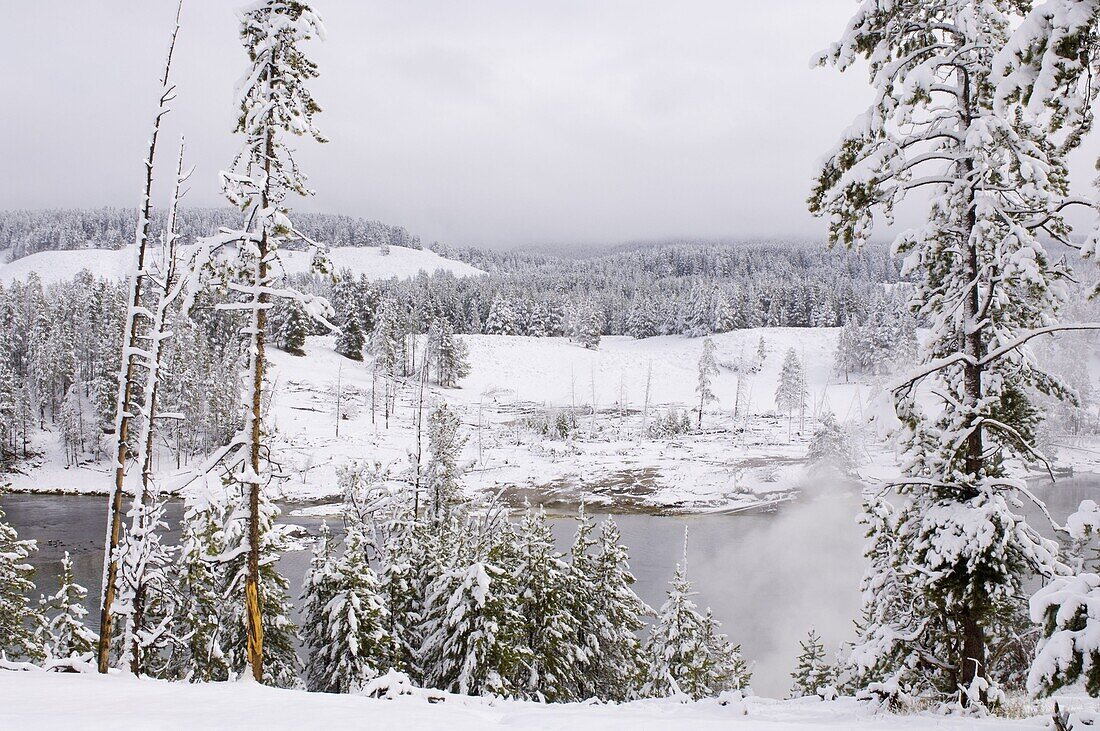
{"points": [[489, 122]]}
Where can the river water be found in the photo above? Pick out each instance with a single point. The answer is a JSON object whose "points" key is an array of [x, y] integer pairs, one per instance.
{"points": [[768, 577]]}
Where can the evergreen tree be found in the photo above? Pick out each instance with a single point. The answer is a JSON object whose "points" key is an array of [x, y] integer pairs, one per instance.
{"points": [[351, 646], [274, 101], [349, 341], [442, 479], [21, 624], [686, 653], [318, 588], [610, 615], [502, 318], [68, 635], [452, 356], [831, 446], [814, 674], [402, 588], [588, 327], [476, 646], [549, 626], [708, 369], [791, 393], [985, 285], [291, 332], [201, 583]]}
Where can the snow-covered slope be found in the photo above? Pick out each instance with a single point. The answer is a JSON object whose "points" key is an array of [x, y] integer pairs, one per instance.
{"points": [[61, 702], [58, 266]]}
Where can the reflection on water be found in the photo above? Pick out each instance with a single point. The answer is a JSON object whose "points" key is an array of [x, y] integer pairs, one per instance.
{"points": [[769, 578]]}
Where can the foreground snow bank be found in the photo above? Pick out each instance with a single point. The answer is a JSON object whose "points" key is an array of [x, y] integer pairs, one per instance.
{"points": [[45, 701]]}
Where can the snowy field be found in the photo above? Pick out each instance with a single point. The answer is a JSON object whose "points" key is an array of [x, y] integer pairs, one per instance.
{"points": [[116, 264], [48, 702], [609, 459]]}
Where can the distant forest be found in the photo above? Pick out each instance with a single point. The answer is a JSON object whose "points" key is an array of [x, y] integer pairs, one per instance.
{"points": [[28, 232]]}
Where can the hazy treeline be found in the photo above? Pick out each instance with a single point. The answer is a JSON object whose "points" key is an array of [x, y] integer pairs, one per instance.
{"points": [[27, 232]]}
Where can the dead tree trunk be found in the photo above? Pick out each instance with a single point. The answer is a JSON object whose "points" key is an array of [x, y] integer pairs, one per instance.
{"points": [[128, 374]]}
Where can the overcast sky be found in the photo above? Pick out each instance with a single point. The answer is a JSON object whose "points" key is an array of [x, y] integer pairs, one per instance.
{"points": [[496, 122]]}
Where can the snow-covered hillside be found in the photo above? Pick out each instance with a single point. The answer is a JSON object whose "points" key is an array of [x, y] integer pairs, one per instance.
{"points": [[59, 702], [59, 266]]}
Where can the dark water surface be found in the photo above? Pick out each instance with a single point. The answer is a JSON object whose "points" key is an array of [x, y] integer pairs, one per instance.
{"points": [[768, 577]]}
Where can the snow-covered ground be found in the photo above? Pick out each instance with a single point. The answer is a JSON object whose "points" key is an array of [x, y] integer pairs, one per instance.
{"points": [[61, 266], [609, 459], [515, 380], [47, 701]]}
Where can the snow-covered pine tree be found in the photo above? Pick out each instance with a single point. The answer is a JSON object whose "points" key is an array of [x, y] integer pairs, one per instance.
{"points": [[831, 446], [442, 478], [317, 591], [351, 646], [814, 674], [708, 369], [274, 102], [549, 626], [350, 341], [686, 653], [67, 634], [401, 585], [199, 624], [292, 329], [501, 319], [582, 598], [641, 322], [615, 667], [791, 393], [588, 326], [1049, 69], [452, 356], [21, 623], [476, 646], [985, 284], [763, 350]]}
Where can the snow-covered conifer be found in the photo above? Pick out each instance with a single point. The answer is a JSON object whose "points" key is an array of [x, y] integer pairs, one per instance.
{"points": [[609, 613], [588, 326], [549, 626], [452, 356], [686, 653], [442, 479], [349, 341], [274, 102], [708, 369], [501, 319], [21, 622], [317, 591], [986, 286], [476, 646], [790, 396], [200, 587], [814, 674], [831, 446], [350, 645], [68, 635]]}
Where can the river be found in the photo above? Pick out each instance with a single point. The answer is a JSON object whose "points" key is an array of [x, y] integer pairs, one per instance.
{"points": [[768, 577]]}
